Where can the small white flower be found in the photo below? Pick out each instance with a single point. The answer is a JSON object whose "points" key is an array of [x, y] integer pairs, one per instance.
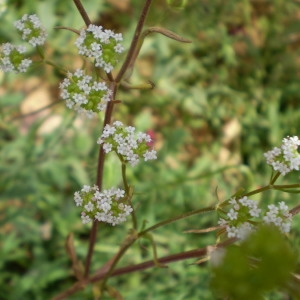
{"points": [[83, 94], [78, 199], [286, 158], [283, 206], [89, 207], [241, 210], [280, 217], [128, 144], [235, 204], [222, 222], [255, 211], [285, 227], [243, 201], [107, 147], [130, 129], [149, 155], [32, 30], [102, 45], [12, 58], [85, 219], [119, 193], [105, 206], [86, 188], [119, 48], [232, 231], [244, 230], [118, 124], [232, 215]]}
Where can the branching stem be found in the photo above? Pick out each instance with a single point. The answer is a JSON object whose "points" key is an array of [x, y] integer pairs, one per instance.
{"points": [[135, 40], [99, 180]]}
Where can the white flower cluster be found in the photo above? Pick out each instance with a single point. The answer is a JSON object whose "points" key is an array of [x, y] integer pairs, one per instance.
{"points": [[129, 146], [83, 94], [32, 30], [244, 213], [107, 206], [279, 216], [286, 158], [12, 58], [243, 210], [102, 45]]}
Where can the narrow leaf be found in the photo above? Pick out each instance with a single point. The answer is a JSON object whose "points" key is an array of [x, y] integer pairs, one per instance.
{"points": [[167, 33]]}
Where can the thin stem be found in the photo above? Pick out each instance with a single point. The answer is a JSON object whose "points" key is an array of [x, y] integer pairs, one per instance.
{"points": [[108, 113], [260, 190], [164, 260], [35, 111], [93, 236], [286, 186], [124, 178], [148, 264], [129, 192], [99, 180], [83, 12], [79, 285], [188, 214], [107, 120], [295, 210], [110, 77], [275, 178], [135, 40], [133, 238], [139, 267], [117, 258], [133, 215], [54, 65], [275, 187], [68, 28]]}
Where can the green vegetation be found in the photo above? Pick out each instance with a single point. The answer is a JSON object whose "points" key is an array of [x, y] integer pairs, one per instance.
{"points": [[218, 104]]}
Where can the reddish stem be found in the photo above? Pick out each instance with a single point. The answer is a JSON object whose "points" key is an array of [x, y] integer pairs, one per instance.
{"points": [[135, 40], [83, 12], [99, 180]]}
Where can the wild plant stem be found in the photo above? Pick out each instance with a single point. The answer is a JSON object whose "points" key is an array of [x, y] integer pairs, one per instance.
{"points": [[108, 113], [148, 264], [183, 216], [117, 258], [275, 178], [128, 192], [195, 253], [124, 178], [135, 40], [99, 180], [134, 237], [83, 12]]}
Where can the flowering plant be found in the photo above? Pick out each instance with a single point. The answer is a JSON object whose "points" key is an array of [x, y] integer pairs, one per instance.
{"points": [[240, 218]]}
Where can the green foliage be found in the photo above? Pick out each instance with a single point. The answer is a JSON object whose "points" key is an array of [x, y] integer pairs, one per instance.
{"points": [[260, 264], [241, 68]]}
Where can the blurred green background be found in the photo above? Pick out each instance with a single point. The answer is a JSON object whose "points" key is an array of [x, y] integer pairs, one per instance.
{"points": [[219, 103]]}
